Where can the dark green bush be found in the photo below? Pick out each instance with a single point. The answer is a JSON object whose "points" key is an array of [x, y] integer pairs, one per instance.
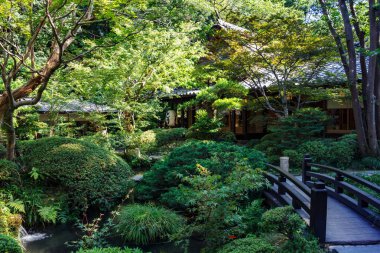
{"points": [[302, 244], [8, 171], [318, 150], [110, 250], [9, 245], [89, 174], [143, 224], [370, 162], [295, 158], [251, 216], [3, 151], [218, 157], [303, 125], [282, 220], [248, 245], [339, 153]]}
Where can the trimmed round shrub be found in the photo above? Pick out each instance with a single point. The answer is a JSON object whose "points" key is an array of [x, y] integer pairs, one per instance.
{"points": [[9, 245], [218, 157], [110, 250], [89, 174], [143, 224], [248, 245]]}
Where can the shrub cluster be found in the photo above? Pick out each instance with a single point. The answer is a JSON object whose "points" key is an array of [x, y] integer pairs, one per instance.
{"points": [[89, 174], [8, 172], [218, 157], [329, 152], [207, 128], [153, 139], [249, 244], [9, 245]]}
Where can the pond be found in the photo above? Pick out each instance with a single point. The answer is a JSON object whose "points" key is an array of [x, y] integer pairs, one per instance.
{"points": [[52, 240]]}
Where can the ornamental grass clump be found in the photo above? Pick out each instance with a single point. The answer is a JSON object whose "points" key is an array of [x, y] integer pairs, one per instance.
{"points": [[143, 224]]}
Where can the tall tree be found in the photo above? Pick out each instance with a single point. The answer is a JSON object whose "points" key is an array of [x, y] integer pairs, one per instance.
{"points": [[355, 29], [37, 37], [273, 49]]}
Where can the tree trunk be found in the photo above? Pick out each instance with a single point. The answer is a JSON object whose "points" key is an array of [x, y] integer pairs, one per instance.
{"points": [[352, 79], [369, 96], [10, 132], [377, 77]]}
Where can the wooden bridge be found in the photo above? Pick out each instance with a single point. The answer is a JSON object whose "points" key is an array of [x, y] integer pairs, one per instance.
{"points": [[331, 201]]}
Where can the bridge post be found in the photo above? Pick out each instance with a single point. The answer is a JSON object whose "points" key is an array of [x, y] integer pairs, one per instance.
{"points": [[318, 210], [305, 168], [281, 190], [338, 178]]}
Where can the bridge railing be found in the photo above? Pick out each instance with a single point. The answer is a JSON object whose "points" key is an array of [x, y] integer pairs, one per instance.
{"points": [[312, 200], [345, 187]]}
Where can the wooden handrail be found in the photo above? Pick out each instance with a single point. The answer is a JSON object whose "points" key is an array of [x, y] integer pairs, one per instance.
{"points": [[303, 187], [357, 179], [312, 200], [357, 199]]}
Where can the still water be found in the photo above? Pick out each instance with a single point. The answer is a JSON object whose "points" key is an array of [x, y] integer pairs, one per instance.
{"points": [[52, 240]]}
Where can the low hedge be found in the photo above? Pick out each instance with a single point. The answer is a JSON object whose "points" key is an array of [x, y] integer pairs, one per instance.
{"points": [[89, 174], [248, 245], [110, 250]]}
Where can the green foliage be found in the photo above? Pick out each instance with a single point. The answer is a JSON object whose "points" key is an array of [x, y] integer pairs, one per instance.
{"points": [[303, 125], [283, 220], [9, 245], [27, 123], [302, 244], [205, 127], [250, 244], [155, 139], [370, 162], [213, 201], [251, 216], [317, 149], [10, 219], [295, 158], [89, 174], [3, 151], [331, 152], [110, 250], [94, 233], [8, 172], [219, 158], [143, 224]]}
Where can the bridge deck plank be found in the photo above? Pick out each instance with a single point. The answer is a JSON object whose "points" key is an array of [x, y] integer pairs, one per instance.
{"points": [[346, 226]]}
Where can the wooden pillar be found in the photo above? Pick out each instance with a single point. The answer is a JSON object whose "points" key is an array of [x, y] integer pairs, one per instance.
{"points": [[245, 123], [193, 112], [318, 210], [306, 167], [233, 121], [182, 118]]}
